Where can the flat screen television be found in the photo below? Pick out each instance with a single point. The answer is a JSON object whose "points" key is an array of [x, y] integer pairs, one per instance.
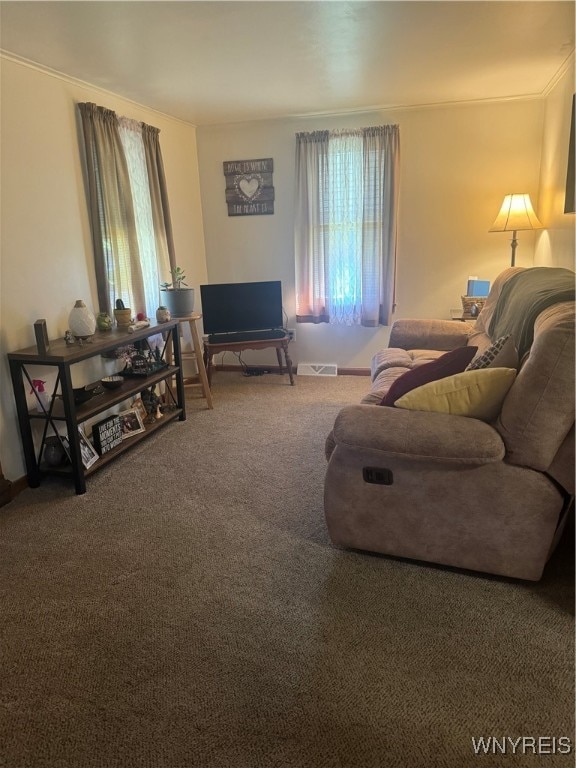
{"points": [[238, 307]]}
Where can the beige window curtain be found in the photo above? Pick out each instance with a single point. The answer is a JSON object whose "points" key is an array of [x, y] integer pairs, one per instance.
{"points": [[159, 199], [310, 234], [131, 228], [345, 225], [114, 237], [379, 223]]}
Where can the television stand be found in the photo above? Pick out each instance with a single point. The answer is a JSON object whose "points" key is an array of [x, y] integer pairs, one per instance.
{"points": [[280, 344]]}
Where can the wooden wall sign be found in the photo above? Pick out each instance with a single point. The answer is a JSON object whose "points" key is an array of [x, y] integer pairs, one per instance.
{"points": [[107, 434], [249, 189]]}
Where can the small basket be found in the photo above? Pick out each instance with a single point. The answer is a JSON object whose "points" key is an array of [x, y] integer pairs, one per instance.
{"points": [[472, 306]]}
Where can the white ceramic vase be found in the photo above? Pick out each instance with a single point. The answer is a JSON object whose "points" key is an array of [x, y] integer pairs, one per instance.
{"points": [[81, 321]]}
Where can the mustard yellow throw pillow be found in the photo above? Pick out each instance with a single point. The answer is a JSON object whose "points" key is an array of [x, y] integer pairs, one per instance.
{"points": [[478, 394]]}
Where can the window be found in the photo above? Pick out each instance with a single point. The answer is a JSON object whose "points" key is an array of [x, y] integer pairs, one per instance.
{"points": [[131, 231], [345, 226]]}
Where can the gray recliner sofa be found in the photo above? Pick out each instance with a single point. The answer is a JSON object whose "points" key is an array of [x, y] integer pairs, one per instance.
{"points": [[455, 490]]}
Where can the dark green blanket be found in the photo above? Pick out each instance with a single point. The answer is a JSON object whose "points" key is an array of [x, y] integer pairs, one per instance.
{"points": [[523, 297]]}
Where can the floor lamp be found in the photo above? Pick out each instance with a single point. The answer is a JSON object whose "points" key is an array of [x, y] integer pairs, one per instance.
{"points": [[515, 214]]}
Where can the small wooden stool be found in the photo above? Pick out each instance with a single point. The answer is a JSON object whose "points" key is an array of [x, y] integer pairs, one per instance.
{"points": [[202, 379]]}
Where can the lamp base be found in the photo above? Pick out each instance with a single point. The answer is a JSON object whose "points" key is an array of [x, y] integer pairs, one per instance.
{"points": [[514, 243]]}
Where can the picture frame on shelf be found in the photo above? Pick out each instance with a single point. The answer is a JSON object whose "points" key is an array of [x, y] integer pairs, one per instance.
{"points": [[131, 423], [89, 455], [138, 405]]}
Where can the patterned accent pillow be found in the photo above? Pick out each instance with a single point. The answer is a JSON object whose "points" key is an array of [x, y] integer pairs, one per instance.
{"points": [[501, 354]]}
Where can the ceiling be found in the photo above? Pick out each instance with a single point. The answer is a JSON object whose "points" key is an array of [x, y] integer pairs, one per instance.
{"points": [[220, 62]]}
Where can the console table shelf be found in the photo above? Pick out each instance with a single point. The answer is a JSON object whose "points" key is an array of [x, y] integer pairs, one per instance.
{"points": [[63, 410], [107, 398], [106, 458]]}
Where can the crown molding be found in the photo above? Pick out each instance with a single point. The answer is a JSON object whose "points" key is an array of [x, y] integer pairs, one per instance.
{"points": [[427, 105], [554, 80], [75, 81]]}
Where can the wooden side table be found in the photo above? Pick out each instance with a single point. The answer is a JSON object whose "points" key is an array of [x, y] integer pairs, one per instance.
{"points": [[197, 356], [281, 344]]}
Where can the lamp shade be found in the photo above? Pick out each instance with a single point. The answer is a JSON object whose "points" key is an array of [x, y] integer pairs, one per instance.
{"points": [[515, 214]]}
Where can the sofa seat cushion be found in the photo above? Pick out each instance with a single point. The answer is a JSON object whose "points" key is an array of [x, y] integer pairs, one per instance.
{"points": [[401, 358], [382, 384]]}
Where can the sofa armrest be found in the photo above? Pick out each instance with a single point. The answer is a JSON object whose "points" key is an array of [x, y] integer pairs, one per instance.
{"points": [[416, 434], [417, 333]]}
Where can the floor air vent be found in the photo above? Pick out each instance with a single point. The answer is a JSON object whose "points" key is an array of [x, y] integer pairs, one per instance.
{"points": [[317, 369]]}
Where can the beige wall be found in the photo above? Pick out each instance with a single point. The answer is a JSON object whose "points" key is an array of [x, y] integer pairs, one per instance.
{"points": [[457, 164], [555, 243], [46, 252]]}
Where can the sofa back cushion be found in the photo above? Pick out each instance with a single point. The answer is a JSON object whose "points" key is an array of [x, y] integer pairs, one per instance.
{"points": [[538, 412], [524, 297], [479, 336], [418, 333]]}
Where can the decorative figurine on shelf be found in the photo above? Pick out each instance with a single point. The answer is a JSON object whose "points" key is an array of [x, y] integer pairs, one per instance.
{"points": [[154, 358], [69, 338], [162, 314], [151, 404], [137, 325], [103, 321]]}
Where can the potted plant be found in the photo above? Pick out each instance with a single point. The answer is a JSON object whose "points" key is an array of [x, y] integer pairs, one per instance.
{"points": [[177, 296]]}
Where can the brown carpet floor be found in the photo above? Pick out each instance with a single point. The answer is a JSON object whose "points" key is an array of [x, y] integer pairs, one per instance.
{"points": [[189, 611]]}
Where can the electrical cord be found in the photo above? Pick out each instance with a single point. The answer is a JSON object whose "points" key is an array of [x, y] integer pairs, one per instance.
{"points": [[238, 355], [242, 363]]}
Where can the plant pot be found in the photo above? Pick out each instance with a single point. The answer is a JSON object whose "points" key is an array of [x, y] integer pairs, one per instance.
{"points": [[123, 317], [180, 301]]}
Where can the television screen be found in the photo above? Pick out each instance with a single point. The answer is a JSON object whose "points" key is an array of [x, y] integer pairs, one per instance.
{"points": [[233, 307]]}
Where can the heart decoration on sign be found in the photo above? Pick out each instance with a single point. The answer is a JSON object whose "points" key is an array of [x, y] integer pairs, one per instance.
{"points": [[250, 186]]}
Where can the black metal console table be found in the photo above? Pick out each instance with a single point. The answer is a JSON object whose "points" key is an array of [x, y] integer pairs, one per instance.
{"points": [[62, 408]]}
